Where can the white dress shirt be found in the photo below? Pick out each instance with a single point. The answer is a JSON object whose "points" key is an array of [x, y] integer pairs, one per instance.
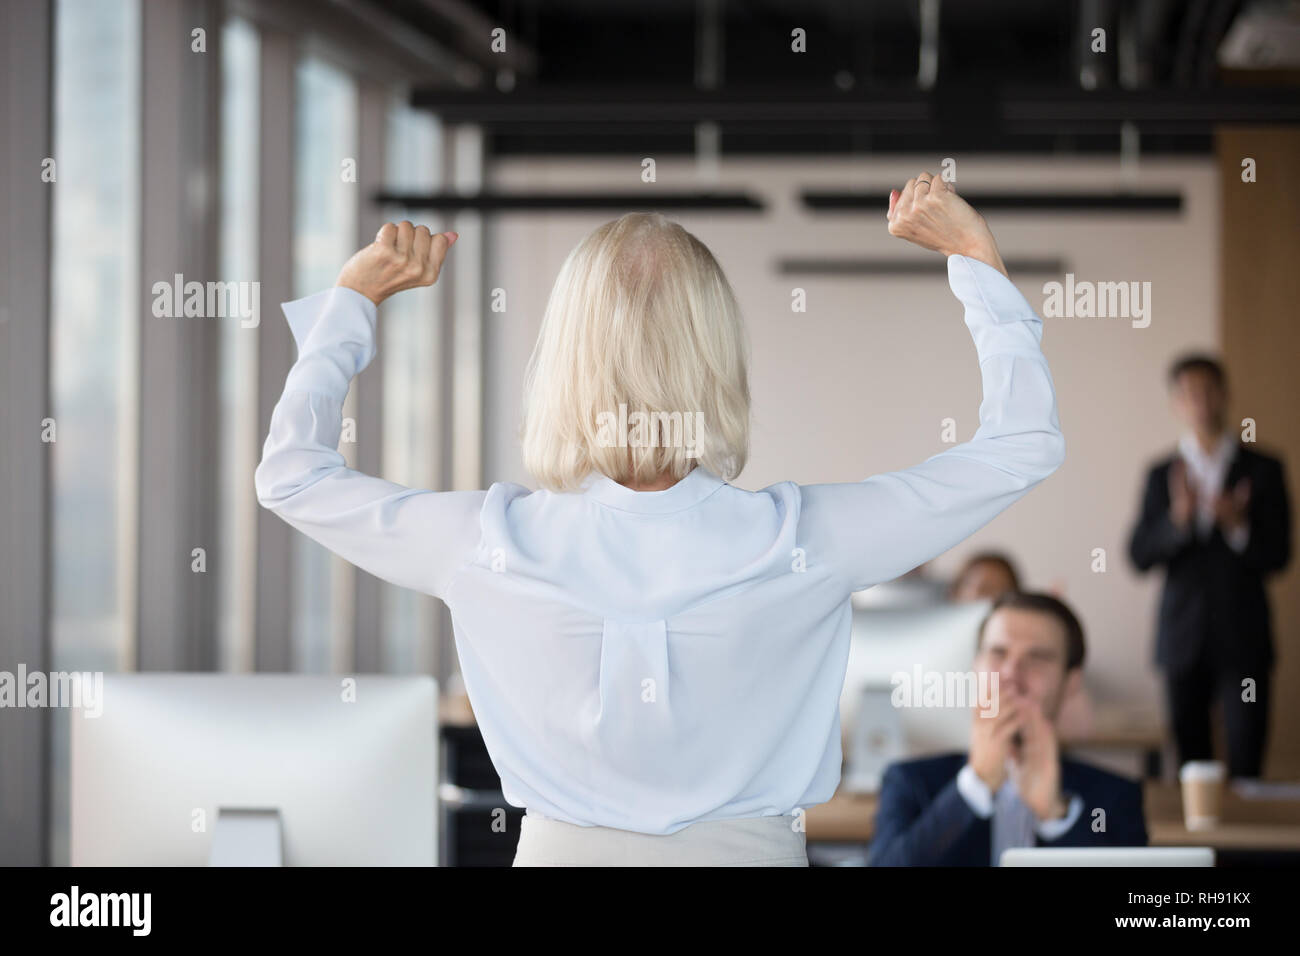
{"points": [[1209, 472], [646, 660], [1013, 823]]}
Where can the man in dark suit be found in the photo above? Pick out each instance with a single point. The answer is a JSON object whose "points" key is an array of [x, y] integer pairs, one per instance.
{"points": [[1216, 515], [1013, 789]]}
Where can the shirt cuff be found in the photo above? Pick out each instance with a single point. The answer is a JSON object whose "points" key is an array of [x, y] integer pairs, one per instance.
{"points": [[1055, 829], [1238, 538], [334, 330], [975, 792], [1000, 319], [303, 314]]}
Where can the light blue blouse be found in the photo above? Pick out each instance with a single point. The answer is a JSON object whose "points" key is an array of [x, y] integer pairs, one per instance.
{"points": [[646, 660]]}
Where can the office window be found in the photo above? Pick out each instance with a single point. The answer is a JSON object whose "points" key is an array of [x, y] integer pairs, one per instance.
{"points": [[325, 232], [467, 283], [411, 357], [95, 308], [240, 435]]}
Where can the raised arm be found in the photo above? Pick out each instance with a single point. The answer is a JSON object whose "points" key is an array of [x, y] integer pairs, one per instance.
{"points": [[412, 538], [875, 530]]}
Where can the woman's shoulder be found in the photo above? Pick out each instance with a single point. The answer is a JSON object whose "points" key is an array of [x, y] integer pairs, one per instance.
{"points": [[779, 502], [782, 492], [501, 496]]}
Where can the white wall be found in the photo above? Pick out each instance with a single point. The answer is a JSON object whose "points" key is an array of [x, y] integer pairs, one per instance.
{"points": [[860, 382]]}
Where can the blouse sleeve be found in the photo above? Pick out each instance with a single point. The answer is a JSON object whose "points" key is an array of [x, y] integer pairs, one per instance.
{"points": [[411, 537], [878, 529]]}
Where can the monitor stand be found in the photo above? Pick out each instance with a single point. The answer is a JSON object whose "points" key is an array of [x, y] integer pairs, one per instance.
{"points": [[247, 838]]}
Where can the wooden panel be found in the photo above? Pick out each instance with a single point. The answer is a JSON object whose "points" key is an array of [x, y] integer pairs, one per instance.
{"points": [[1260, 245]]}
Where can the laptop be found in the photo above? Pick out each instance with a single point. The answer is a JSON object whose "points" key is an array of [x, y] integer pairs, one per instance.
{"points": [[1110, 856]]}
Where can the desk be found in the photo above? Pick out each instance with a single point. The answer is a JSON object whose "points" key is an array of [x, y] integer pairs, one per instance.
{"points": [[1259, 826], [845, 818], [1248, 825], [454, 711], [1267, 826]]}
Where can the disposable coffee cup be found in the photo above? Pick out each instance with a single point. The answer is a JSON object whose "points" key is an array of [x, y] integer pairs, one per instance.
{"points": [[1202, 782]]}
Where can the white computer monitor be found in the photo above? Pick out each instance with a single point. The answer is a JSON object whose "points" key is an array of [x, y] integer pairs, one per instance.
{"points": [[1109, 856], [193, 769], [939, 639]]}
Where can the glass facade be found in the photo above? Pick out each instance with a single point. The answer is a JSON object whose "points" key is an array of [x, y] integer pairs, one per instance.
{"points": [[94, 304], [99, 300], [240, 438], [411, 360], [326, 194]]}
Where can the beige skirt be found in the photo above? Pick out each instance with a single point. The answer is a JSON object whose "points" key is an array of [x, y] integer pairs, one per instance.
{"points": [[752, 841]]}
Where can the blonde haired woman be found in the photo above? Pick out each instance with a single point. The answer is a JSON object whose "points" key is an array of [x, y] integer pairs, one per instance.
{"points": [[655, 656]]}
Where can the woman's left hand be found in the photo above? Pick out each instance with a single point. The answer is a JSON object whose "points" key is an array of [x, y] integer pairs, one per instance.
{"points": [[402, 257], [929, 213]]}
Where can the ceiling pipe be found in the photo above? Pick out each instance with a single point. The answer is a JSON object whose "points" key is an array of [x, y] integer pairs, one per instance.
{"points": [[553, 202], [708, 76], [927, 66]]}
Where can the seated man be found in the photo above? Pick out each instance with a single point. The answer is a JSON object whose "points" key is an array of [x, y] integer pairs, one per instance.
{"points": [[1013, 789], [984, 576]]}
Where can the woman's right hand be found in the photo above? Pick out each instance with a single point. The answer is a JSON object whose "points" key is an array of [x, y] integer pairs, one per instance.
{"points": [[402, 256], [929, 213]]}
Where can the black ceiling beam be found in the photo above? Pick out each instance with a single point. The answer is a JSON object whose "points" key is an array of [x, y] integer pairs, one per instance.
{"points": [[571, 202], [1164, 109], [655, 105], [1060, 110], [877, 200], [469, 30]]}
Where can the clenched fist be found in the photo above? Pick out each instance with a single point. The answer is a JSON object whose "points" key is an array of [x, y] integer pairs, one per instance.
{"points": [[929, 213], [402, 257]]}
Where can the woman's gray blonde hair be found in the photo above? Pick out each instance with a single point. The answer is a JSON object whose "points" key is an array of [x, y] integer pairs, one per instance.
{"points": [[640, 367]]}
